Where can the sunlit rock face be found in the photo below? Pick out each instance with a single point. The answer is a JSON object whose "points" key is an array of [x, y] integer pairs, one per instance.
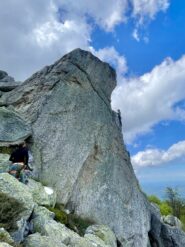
{"points": [[78, 146]]}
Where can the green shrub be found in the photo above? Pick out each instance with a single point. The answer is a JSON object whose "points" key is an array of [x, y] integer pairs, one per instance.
{"points": [[165, 209], [6, 150], [154, 199], [72, 221], [10, 210]]}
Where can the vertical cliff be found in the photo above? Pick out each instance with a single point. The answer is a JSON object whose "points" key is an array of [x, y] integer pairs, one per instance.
{"points": [[78, 146]]}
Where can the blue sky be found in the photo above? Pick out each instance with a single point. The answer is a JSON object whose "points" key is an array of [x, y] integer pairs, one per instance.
{"points": [[144, 42]]}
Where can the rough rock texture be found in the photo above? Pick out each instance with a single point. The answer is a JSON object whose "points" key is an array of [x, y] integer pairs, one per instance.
{"points": [[42, 195], [46, 229], [13, 128], [3, 244], [4, 162], [42, 241], [164, 235], [7, 83], [102, 232], [5, 236], [172, 221], [17, 195], [78, 146]]}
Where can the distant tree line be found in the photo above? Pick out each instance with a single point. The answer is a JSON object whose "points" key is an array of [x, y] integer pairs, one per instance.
{"points": [[174, 203]]}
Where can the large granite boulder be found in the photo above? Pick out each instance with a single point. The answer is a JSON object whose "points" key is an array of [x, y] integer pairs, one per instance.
{"points": [[16, 204], [13, 128], [78, 146]]}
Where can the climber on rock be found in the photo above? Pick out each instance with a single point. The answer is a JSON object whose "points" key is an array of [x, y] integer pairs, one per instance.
{"points": [[119, 117], [19, 158]]}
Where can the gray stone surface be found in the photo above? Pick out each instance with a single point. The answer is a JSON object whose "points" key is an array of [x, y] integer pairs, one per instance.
{"points": [[172, 221], [102, 232], [3, 244], [172, 236], [12, 188], [4, 162], [42, 195], [3, 74], [5, 236], [36, 240], [78, 146], [7, 83], [13, 128]]}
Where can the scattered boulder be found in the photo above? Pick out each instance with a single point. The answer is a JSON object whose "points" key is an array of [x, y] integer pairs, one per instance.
{"points": [[13, 128], [42, 195], [38, 240], [5, 237], [102, 232], [3, 244], [172, 221], [15, 198]]}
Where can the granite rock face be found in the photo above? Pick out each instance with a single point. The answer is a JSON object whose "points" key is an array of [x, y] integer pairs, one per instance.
{"points": [[77, 143], [13, 128]]}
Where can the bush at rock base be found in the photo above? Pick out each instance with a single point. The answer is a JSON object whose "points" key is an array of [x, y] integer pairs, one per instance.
{"points": [[10, 210], [72, 221]]}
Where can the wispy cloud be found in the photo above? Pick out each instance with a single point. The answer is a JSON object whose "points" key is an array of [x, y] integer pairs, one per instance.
{"points": [[155, 157], [37, 32], [146, 100]]}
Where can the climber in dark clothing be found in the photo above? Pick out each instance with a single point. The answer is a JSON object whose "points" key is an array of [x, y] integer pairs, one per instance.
{"points": [[119, 117], [20, 155], [19, 160]]}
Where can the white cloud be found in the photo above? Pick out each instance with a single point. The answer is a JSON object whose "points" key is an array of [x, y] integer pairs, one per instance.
{"points": [[144, 11], [135, 35], [32, 36], [154, 157], [149, 99], [148, 8], [37, 32], [106, 14], [111, 56]]}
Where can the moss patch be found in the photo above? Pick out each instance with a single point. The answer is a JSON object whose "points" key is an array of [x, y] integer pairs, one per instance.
{"points": [[6, 150], [10, 210], [72, 221]]}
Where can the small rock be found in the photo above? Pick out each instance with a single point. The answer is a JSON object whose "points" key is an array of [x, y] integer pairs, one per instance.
{"points": [[172, 221], [102, 232], [5, 236], [42, 195], [36, 240], [3, 244]]}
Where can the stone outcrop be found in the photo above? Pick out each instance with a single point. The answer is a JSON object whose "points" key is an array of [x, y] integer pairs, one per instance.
{"points": [[78, 149], [78, 146], [13, 128], [17, 198], [7, 83], [34, 225], [165, 231]]}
